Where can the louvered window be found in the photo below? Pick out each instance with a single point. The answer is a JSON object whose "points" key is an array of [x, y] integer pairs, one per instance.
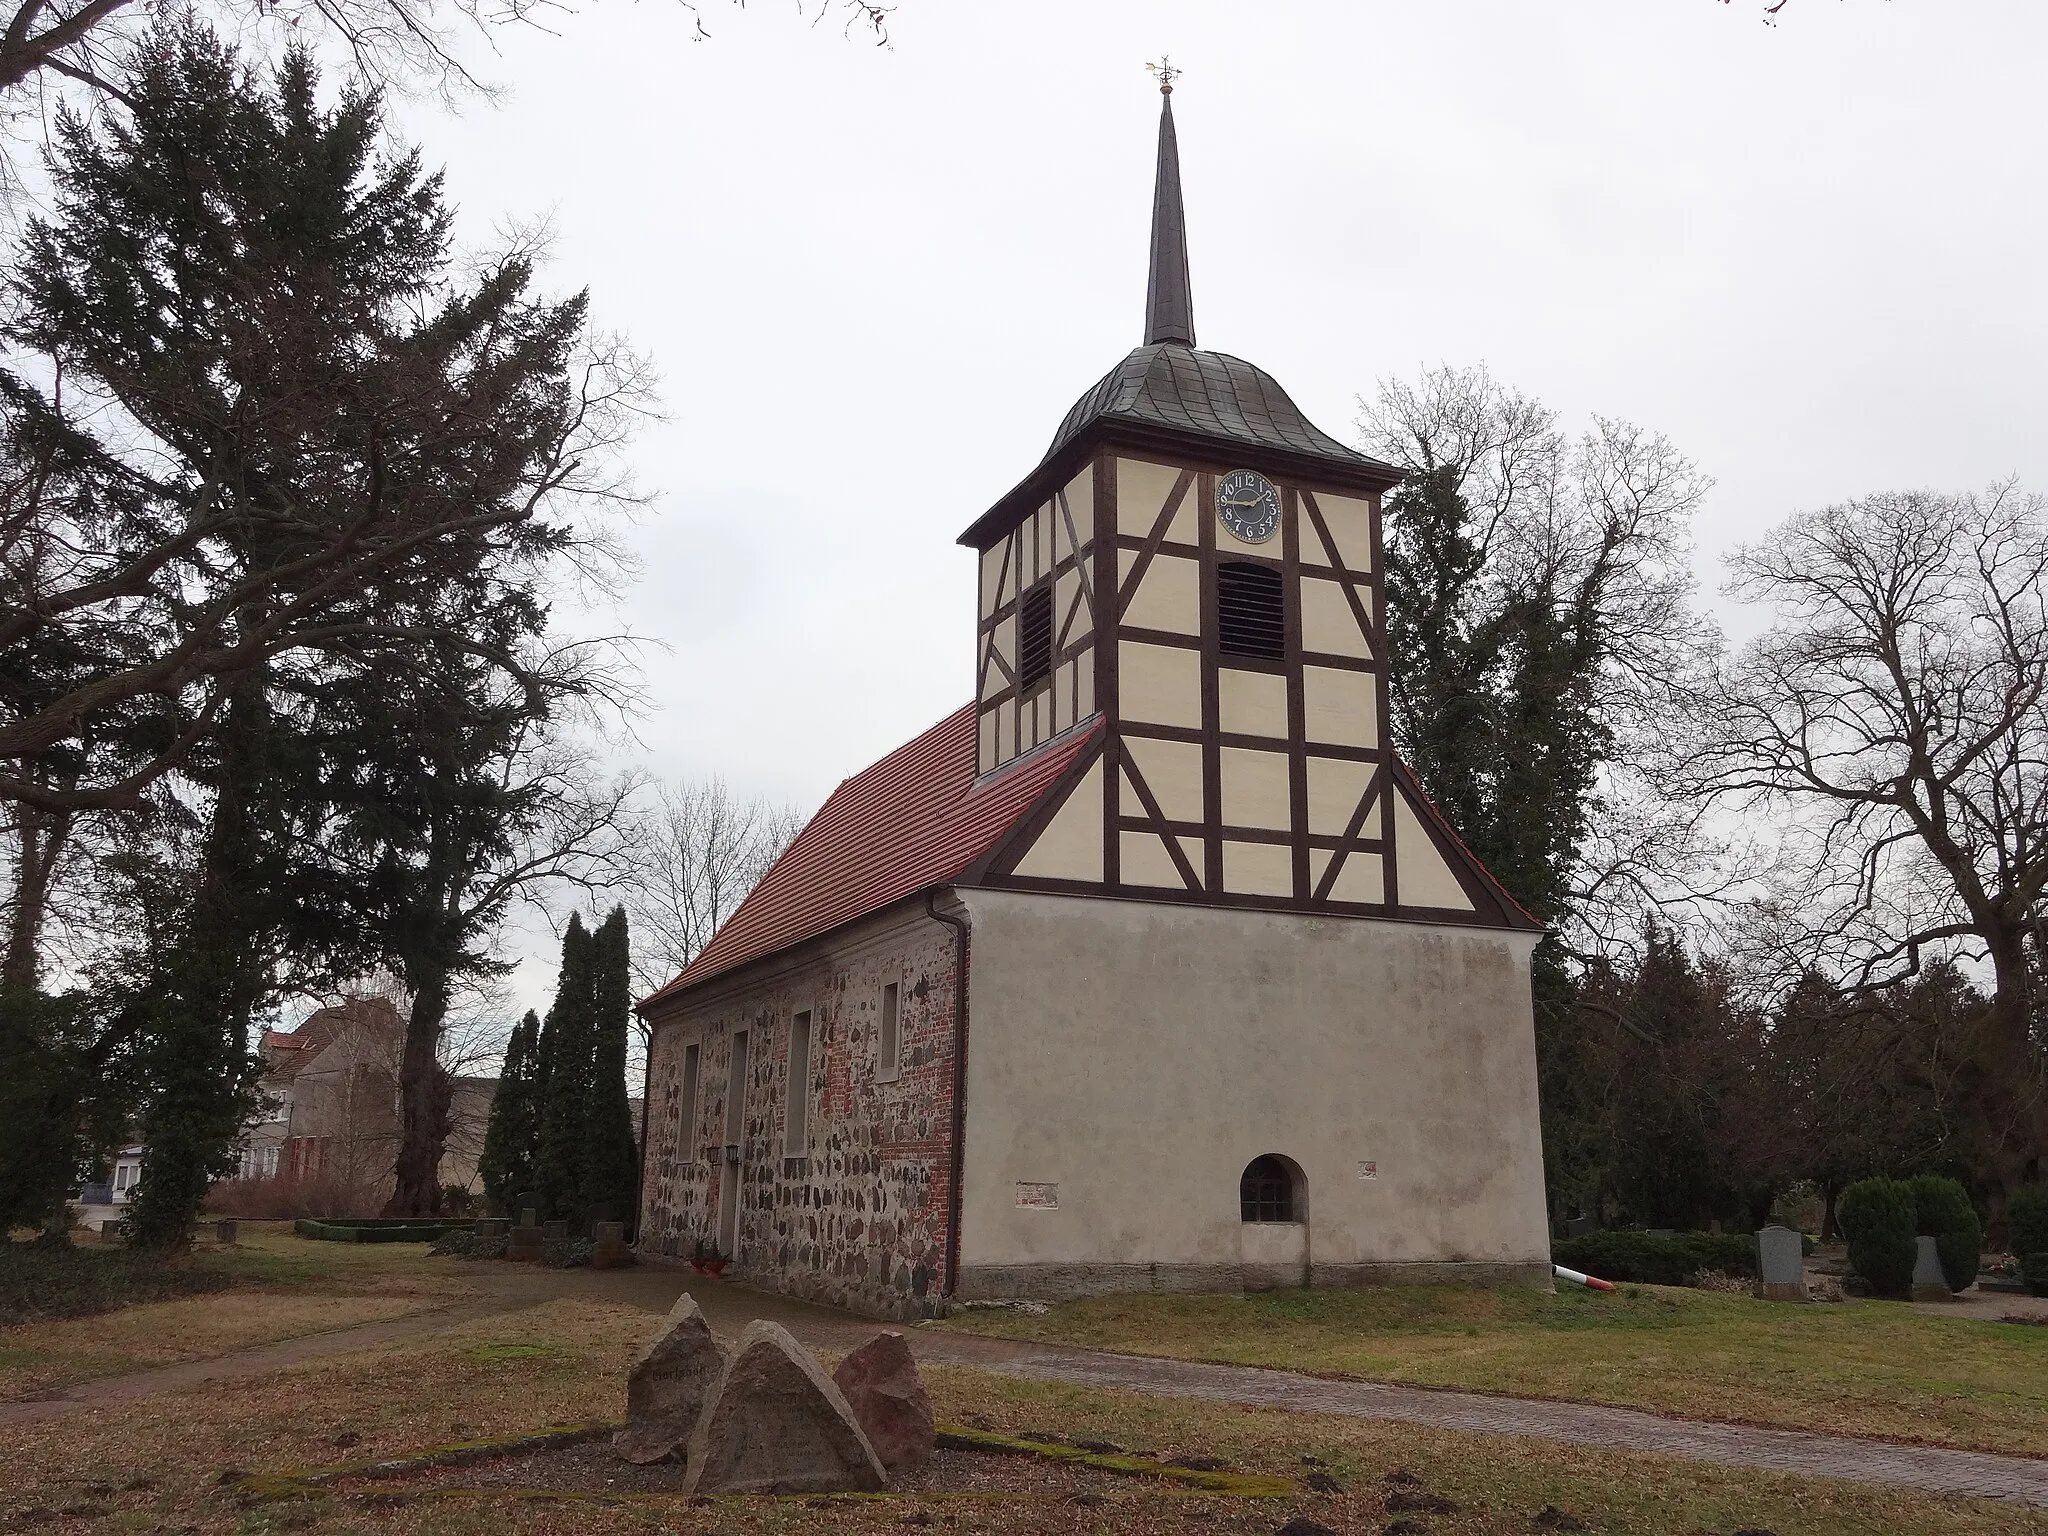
{"points": [[1034, 638], [1251, 615]]}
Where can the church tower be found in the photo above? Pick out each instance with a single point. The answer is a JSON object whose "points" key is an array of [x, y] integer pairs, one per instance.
{"points": [[1194, 569]]}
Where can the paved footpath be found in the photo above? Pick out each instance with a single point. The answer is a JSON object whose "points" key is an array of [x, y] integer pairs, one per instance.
{"points": [[730, 1307]]}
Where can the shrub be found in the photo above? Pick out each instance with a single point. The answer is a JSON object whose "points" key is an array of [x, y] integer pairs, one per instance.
{"points": [[286, 1199], [2027, 1216], [1946, 1215], [1641, 1259], [1881, 1219], [39, 1281]]}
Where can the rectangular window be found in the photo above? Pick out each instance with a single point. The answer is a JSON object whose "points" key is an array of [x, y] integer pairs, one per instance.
{"points": [[1034, 638], [687, 1109], [796, 1127], [889, 1045]]}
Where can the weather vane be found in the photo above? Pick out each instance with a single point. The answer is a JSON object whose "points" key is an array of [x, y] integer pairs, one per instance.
{"points": [[1165, 74]]}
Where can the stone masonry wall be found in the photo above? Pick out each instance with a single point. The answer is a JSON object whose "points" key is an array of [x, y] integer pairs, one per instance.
{"points": [[860, 1220]]}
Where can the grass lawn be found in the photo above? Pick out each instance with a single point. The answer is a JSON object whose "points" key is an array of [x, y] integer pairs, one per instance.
{"points": [[281, 1286], [156, 1466], [1864, 1368]]}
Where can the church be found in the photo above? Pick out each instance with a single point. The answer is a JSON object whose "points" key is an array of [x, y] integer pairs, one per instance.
{"points": [[1151, 968]]}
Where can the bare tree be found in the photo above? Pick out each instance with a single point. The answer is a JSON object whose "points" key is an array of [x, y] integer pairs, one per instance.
{"points": [[1892, 721], [701, 850], [1540, 615]]}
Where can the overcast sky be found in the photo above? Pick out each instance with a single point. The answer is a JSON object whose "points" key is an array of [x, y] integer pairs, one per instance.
{"points": [[872, 280]]}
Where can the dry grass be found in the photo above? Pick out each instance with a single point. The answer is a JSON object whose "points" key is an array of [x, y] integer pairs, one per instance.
{"points": [[1868, 1368], [155, 1466], [284, 1286]]}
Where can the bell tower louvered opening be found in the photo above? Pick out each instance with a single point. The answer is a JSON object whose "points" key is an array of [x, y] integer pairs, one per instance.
{"points": [[1034, 638], [1251, 611]]}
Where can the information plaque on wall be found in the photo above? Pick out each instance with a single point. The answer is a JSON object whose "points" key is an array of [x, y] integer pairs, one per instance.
{"points": [[1038, 1197]]}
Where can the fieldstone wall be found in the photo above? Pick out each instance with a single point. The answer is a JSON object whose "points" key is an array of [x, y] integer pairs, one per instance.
{"points": [[859, 1220]]}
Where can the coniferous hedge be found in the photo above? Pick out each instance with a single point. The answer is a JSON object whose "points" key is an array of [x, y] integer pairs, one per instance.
{"points": [[513, 1131], [1881, 1219], [2027, 1217], [1946, 1215], [1642, 1258], [561, 1125], [611, 1147]]}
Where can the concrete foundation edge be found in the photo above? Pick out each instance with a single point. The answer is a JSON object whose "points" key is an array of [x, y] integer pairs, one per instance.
{"points": [[1061, 1282]]}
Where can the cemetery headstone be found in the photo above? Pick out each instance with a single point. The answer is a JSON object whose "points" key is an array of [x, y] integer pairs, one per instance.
{"points": [[554, 1231], [1929, 1283], [224, 1230], [525, 1239], [778, 1425], [1578, 1226], [1780, 1265], [608, 1246]]}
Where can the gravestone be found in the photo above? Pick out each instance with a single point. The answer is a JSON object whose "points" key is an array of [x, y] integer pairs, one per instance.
{"points": [[882, 1387], [554, 1231], [493, 1226], [669, 1385], [608, 1246], [1780, 1265], [1929, 1283], [525, 1240], [778, 1425], [224, 1230], [1578, 1226]]}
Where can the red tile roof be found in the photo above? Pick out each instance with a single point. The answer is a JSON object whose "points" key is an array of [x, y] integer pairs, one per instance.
{"points": [[913, 821]]}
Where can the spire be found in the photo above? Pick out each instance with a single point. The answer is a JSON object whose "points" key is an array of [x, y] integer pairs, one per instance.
{"points": [[1169, 303]]}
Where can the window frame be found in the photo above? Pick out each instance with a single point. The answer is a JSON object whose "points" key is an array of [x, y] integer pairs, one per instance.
{"points": [[686, 1108], [1040, 593], [1270, 577], [889, 1033], [796, 1106]]}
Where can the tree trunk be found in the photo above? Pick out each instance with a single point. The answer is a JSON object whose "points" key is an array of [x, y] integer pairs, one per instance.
{"points": [[40, 838], [2006, 1111], [425, 1094]]}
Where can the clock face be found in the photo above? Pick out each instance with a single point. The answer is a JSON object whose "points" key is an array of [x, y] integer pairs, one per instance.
{"points": [[1249, 505]]}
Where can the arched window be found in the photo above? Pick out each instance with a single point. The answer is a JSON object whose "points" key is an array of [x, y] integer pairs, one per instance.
{"points": [[1251, 613], [1266, 1191]]}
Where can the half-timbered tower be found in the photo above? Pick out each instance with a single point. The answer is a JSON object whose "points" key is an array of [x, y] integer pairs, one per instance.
{"points": [[1150, 968]]}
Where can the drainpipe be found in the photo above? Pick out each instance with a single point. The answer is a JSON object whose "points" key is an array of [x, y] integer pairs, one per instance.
{"points": [[640, 1172], [959, 1149]]}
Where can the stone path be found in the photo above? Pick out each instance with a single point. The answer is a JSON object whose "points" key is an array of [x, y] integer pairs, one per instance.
{"points": [[730, 1307], [1929, 1468]]}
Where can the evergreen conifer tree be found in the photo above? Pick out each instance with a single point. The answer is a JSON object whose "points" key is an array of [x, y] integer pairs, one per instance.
{"points": [[512, 1135], [568, 1037], [611, 1154]]}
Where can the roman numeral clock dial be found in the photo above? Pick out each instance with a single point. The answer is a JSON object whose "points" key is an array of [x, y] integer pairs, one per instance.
{"points": [[1248, 505]]}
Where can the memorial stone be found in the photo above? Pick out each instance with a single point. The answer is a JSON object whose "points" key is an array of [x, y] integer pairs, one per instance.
{"points": [[778, 1425], [1780, 1265], [525, 1240], [881, 1385], [224, 1230], [669, 1385]]}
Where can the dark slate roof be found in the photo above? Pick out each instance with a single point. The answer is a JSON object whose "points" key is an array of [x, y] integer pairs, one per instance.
{"points": [[1213, 394]]}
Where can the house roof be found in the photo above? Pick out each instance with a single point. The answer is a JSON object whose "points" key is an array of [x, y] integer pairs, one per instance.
{"points": [[915, 820], [287, 1051]]}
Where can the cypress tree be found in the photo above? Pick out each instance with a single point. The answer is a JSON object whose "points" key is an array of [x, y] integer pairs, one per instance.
{"points": [[611, 1154], [510, 1138], [567, 1038]]}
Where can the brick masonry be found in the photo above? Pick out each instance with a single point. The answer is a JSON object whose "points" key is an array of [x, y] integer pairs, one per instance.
{"points": [[860, 1219]]}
